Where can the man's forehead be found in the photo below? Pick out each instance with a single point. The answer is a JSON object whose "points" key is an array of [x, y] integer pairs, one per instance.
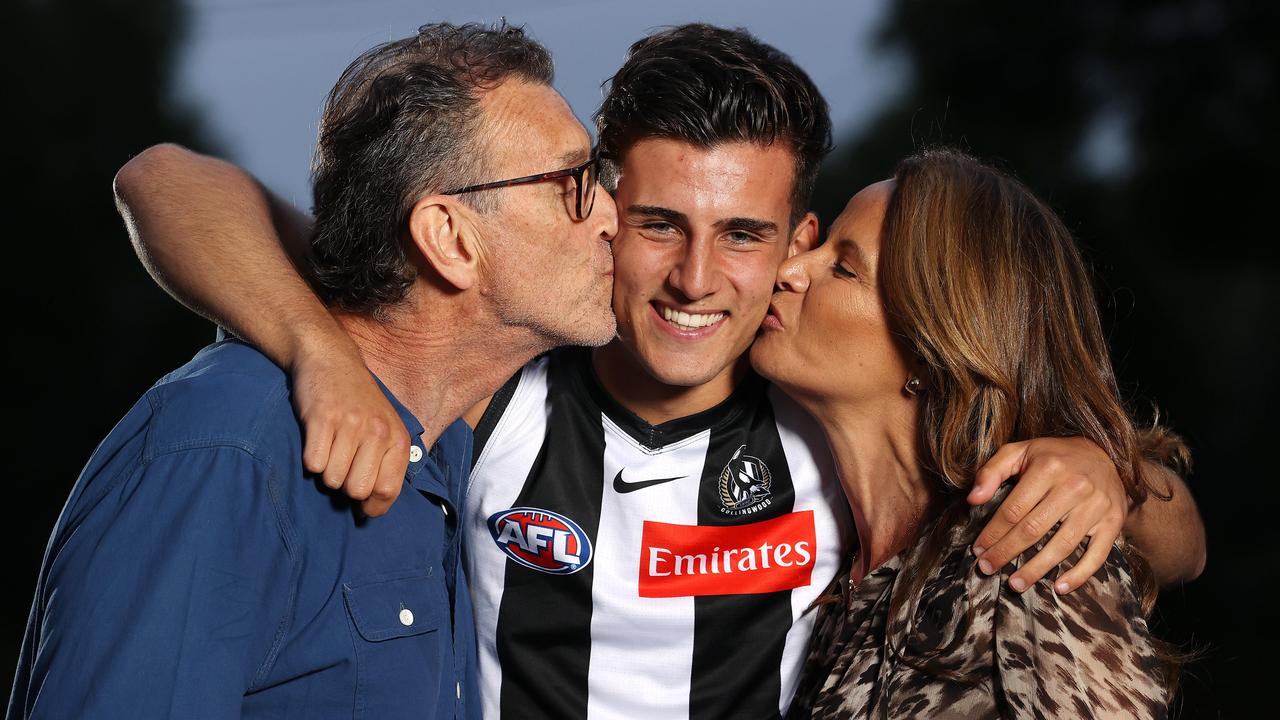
{"points": [[727, 179], [533, 129]]}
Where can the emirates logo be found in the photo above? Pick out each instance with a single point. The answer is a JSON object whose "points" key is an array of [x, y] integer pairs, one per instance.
{"points": [[754, 557]]}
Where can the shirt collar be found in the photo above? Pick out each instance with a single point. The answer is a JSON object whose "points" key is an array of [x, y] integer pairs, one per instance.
{"points": [[441, 469]]}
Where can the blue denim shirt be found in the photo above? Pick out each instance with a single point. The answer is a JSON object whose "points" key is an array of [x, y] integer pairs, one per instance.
{"points": [[198, 571]]}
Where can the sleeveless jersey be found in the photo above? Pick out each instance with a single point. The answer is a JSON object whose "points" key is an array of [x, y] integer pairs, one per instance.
{"points": [[626, 570]]}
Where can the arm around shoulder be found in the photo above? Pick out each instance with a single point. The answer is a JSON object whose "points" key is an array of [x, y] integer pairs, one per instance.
{"points": [[216, 240], [221, 244], [1168, 531]]}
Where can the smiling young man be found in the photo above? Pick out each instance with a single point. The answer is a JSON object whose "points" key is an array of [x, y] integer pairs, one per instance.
{"points": [[648, 522], [707, 520]]}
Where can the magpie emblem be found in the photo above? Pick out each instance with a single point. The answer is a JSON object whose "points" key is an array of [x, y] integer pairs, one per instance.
{"points": [[745, 484]]}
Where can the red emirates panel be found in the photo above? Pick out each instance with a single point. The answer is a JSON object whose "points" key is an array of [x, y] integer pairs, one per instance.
{"points": [[692, 560]]}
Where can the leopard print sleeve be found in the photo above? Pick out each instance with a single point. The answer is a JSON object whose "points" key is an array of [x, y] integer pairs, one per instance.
{"points": [[1086, 654], [963, 646]]}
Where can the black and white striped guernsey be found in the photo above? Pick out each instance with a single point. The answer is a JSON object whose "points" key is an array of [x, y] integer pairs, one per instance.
{"points": [[625, 570]]}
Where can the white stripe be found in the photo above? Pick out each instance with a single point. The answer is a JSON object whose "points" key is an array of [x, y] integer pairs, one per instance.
{"points": [[496, 480], [641, 648], [817, 489]]}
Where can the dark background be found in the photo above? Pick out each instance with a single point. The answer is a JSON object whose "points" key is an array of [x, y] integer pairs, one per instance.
{"points": [[1148, 125]]}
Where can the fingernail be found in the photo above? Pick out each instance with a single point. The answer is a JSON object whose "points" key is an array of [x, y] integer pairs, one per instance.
{"points": [[985, 567], [1062, 587], [1018, 584], [978, 550]]}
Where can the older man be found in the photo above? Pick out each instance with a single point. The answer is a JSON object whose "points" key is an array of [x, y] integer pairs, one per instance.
{"points": [[197, 569]]}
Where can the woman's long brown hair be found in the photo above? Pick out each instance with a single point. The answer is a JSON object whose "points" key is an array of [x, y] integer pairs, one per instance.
{"points": [[984, 283]]}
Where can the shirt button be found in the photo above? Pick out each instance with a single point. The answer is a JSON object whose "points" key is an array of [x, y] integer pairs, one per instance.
{"points": [[415, 453], [457, 689], [406, 617]]}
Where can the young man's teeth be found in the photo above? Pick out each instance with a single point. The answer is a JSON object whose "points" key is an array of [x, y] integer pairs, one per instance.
{"points": [[689, 321]]}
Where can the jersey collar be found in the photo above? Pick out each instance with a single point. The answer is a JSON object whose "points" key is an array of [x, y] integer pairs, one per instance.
{"points": [[653, 437]]}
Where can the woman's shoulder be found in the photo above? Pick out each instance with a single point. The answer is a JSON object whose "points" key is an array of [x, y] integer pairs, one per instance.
{"points": [[954, 642], [1088, 652]]}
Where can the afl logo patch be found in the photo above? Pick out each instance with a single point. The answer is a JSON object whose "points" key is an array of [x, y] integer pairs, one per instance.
{"points": [[745, 484], [541, 540]]}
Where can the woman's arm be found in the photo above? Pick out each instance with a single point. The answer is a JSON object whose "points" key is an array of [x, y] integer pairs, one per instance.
{"points": [[222, 245]]}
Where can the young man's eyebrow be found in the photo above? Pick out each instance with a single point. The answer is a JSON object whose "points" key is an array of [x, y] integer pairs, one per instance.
{"points": [[763, 227], [672, 216]]}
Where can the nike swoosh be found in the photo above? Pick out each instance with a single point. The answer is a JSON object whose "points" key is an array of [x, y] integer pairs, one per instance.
{"points": [[625, 487]]}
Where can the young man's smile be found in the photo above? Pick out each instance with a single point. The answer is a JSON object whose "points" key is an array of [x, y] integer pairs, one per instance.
{"points": [[690, 323]]}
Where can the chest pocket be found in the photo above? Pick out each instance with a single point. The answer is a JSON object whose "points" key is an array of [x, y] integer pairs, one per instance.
{"points": [[403, 645]]}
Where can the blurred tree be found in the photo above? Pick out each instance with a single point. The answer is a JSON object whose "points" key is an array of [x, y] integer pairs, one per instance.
{"points": [[88, 85], [1151, 127]]}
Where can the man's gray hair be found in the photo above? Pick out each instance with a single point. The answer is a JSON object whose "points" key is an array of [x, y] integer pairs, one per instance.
{"points": [[403, 120]]}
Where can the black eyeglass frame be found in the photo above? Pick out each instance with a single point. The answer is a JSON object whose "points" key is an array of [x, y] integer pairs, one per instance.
{"points": [[586, 191]]}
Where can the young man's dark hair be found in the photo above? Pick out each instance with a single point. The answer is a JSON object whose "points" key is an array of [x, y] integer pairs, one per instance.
{"points": [[404, 119], [706, 85]]}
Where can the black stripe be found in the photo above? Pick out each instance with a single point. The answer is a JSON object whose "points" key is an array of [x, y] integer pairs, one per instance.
{"points": [[544, 624], [492, 414], [735, 673]]}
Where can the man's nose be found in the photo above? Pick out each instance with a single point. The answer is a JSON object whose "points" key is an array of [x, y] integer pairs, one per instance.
{"points": [[696, 274], [604, 215]]}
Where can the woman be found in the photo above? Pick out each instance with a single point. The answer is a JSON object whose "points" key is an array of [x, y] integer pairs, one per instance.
{"points": [[949, 312]]}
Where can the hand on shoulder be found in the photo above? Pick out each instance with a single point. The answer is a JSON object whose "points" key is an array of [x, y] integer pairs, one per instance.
{"points": [[354, 439]]}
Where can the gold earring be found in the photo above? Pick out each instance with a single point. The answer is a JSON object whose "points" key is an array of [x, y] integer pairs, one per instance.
{"points": [[913, 386]]}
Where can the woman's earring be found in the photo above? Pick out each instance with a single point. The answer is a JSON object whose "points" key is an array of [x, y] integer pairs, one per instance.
{"points": [[913, 386]]}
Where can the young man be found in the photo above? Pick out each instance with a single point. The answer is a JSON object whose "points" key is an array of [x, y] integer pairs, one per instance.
{"points": [[197, 570], [647, 523]]}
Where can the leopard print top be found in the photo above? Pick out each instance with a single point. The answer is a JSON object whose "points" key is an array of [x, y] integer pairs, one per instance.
{"points": [[969, 647]]}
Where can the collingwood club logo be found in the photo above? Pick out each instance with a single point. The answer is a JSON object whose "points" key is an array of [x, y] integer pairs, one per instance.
{"points": [[745, 484]]}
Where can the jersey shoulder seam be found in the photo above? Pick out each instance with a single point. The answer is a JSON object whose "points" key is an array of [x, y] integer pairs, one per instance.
{"points": [[522, 384]]}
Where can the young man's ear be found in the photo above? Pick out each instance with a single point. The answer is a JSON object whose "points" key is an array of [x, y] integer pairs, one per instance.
{"points": [[440, 229], [805, 237]]}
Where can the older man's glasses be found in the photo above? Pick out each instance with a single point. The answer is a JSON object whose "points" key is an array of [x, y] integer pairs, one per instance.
{"points": [[584, 178]]}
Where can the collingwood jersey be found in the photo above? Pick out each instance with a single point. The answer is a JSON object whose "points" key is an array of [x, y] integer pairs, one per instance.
{"points": [[626, 570]]}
